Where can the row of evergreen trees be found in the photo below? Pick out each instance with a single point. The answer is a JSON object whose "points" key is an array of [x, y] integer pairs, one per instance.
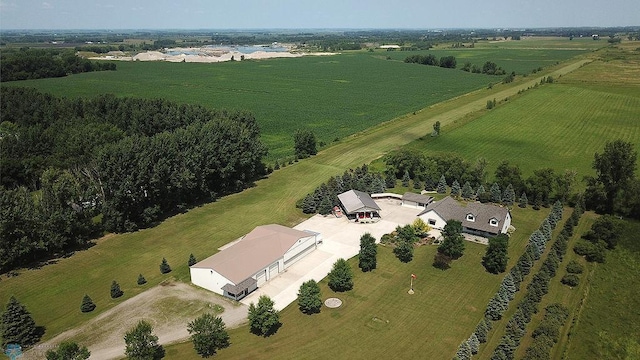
{"points": [[511, 284], [325, 197]]}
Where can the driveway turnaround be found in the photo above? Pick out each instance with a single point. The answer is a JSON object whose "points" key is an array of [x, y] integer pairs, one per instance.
{"points": [[340, 239]]}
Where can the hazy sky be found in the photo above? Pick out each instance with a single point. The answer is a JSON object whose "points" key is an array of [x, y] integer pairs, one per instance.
{"points": [[251, 14]]}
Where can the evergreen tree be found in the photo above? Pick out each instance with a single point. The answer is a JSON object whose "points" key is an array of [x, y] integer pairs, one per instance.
{"points": [[341, 277], [495, 308], [482, 329], [390, 178], [453, 243], [406, 178], [523, 200], [442, 185], [455, 189], [509, 285], [192, 260], [116, 292], [417, 185], [368, 252], [87, 304], [545, 228], [481, 194], [538, 241], [556, 214], [141, 280], [18, 327], [474, 343], [464, 351], [68, 350], [509, 196], [496, 194], [309, 300], [208, 334], [264, 320], [164, 267], [141, 343], [467, 191]]}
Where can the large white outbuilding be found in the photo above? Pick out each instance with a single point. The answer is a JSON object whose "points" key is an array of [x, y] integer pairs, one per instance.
{"points": [[251, 261]]}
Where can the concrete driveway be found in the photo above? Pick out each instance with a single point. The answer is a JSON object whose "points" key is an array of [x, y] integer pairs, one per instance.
{"points": [[341, 239]]}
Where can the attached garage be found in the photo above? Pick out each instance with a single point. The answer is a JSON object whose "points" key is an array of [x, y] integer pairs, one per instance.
{"points": [[253, 260]]}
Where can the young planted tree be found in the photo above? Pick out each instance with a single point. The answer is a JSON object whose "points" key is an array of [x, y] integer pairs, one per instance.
{"points": [[87, 304], [208, 334], [68, 350], [442, 185], [141, 280], [164, 267], [467, 191], [453, 243], [455, 189], [495, 258], [192, 260], [368, 252], [141, 343], [264, 320], [309, 300], [341, 276], [496, 194], [18, 327], [509, 196], [116, 292], [436, 129], [523, 200]]}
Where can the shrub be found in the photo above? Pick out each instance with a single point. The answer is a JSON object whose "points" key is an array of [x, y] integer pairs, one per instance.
{"points": [[570, 280], [574, 267]]}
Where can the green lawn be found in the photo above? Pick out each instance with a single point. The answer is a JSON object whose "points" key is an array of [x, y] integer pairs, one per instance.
{"points": [[559, 125], [609, 325], [378, 318]]}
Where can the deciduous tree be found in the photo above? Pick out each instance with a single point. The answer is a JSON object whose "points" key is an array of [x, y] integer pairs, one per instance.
{"points": [[453, 243], [341, 276], [208, 334], [495, 258], [368, 252], [141, 343], [68, 350], [304, 143], [309, 300], [264, 320]]}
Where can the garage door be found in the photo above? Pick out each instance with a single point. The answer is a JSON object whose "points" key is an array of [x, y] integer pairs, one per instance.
{"points": [[273, 270], [261, 278]]}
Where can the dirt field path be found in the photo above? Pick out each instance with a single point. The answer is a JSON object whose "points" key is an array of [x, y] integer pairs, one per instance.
{"points": [[169, 307]]}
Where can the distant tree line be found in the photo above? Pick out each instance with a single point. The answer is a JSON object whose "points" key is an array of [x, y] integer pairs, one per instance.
{"points": [[430, 59], [469, 180], [27, 64], [133, 161], [325, 197]]}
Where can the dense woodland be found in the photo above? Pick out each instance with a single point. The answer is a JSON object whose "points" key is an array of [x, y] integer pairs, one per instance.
{"points": [[133, 161], [28, 63]]}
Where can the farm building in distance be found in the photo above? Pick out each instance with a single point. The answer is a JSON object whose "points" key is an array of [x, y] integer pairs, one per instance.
{"points": [[246, 264], [478, 219], [360, 206]]}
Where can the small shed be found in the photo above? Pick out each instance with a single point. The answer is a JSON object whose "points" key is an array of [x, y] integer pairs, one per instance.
{"points": [[360, 206], [416, 201]]}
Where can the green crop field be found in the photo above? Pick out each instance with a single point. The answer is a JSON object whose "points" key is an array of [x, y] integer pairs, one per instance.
{"points": [[559, 125], [378, 318], [335, 96]]}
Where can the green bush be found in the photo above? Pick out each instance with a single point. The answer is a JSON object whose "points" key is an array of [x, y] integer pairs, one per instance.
{"points": [[574, 267], [571, 280]]}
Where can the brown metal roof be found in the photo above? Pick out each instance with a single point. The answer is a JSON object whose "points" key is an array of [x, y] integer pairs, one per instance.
{"points": [[423, 199], [448, 208], [258, 249], [355, 201]]}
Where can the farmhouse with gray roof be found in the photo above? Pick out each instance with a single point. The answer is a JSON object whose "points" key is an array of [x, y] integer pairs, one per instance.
{"points": [[359, 205], [486, 220]]}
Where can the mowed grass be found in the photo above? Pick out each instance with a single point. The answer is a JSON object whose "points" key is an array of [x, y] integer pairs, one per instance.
{"points": [[609, 325], [378, 318], [559, 125], [335, 96]]}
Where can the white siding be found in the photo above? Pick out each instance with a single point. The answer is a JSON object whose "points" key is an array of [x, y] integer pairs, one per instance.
{"points": [[507, 223], [432, 215], [273, 270], [300, 246], [261, 277], [208, 279]]}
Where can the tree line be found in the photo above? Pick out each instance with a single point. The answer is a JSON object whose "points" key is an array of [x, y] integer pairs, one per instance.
{"points": [[131, 160], [25, 63]]}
